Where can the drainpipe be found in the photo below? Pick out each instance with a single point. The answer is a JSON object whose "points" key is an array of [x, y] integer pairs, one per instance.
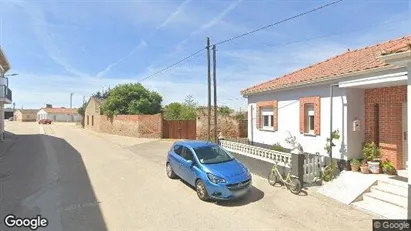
{"points": [[331, 119]]}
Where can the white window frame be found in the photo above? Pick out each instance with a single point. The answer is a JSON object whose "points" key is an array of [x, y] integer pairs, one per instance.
{"points": [[309, 117], [267, 112]]}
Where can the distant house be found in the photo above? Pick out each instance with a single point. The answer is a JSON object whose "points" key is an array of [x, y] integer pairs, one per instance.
{"points": [[92, 114], [59, 114], [26, 115]]}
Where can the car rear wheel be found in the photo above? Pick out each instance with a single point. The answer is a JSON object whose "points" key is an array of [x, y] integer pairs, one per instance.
{"points": [[202, 191], [170, 173]]}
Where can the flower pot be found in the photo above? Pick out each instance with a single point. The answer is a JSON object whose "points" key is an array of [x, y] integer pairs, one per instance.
{"points": [[364, 169], [355, 167], [374, 166]]}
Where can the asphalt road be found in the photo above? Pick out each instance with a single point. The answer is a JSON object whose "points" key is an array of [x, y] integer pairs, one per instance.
{"points": [[82, 180]]}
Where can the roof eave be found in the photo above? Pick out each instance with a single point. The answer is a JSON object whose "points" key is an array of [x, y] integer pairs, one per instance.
{"points": [[6, 67], [323, 81]]}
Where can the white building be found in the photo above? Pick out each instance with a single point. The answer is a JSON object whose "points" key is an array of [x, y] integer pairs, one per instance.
{"points": [[5, 92], [369, 104], [59, 114]]}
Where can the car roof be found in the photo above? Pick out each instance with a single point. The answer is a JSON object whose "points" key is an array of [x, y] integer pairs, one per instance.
{"points": [[195, 143]]}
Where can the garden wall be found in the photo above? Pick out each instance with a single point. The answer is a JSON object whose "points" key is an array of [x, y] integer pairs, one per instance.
{"points": [[140, 126]]}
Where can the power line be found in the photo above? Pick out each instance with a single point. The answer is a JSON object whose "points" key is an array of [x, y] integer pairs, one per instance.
{"points": [[279, 22], [329, 35], [173, 65]]}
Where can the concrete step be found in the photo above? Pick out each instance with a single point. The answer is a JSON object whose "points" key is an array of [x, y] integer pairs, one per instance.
{"points": [[390, 189], [387, 198], [397, 183], [381, 209]]}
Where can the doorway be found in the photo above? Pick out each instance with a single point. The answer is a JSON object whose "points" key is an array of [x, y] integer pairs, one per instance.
{"points": [[405, 134]]}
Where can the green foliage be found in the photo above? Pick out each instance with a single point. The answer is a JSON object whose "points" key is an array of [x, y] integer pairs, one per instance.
{"points": [[103, 95], [371, 151], [131, 99], [181, 111], [330, 172], [239, 116], [388, 167], [335, 136], [224, 111], [355, 162], [277, 147], [81, 110]]}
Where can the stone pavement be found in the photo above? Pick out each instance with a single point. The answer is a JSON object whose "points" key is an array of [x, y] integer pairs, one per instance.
{"points": [[8, 142]]}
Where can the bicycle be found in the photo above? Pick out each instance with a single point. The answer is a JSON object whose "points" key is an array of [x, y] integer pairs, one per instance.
{"points": [[290, 181]]}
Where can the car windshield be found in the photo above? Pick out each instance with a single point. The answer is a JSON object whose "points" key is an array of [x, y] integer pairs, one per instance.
{"points": [[213, 155]]}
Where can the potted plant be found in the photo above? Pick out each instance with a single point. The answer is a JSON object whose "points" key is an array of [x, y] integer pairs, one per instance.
{"points": [[355, 165], [388, 168], [372, 154], [364, 167]]}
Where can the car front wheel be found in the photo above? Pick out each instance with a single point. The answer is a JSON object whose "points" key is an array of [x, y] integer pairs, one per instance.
{"points": [[201, 191], [170, 173]]}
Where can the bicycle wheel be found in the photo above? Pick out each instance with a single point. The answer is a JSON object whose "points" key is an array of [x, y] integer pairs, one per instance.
{"points": [[295, 186], [272, 178]]}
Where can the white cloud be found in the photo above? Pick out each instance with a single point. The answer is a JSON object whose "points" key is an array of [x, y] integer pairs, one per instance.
{"points": [[141, 45], [179, 9], [210, 23]]}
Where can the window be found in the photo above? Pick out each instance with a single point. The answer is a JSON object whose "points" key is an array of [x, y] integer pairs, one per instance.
{"points": [[309, 117], [92, 120], [267, 116], [187, 154], [213, 155], [88, 120], [178, 149]]}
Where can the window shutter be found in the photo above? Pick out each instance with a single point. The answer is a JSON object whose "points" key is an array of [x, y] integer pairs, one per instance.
{"points": [[317, 117], [302, 116]]}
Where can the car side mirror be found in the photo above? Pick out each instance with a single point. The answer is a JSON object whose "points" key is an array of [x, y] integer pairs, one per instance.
{"points": [[190, 162]]}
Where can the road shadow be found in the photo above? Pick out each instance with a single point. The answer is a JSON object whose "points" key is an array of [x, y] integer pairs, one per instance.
{"points": [[47, 177], [280, 186], [254, 195]]}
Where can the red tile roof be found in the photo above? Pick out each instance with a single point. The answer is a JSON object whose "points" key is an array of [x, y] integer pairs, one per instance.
{"points": [[349, 62], [70, 111]]}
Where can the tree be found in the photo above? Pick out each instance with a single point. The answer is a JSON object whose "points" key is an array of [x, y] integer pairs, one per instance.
{"points": [[131, 99], [181, 111], [224, 110], [81, 110], [103, 95]]}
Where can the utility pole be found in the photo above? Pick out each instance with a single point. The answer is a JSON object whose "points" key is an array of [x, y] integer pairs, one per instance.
{"points": [[215, 92], [71, 100], [84, 99], [209, 88]]}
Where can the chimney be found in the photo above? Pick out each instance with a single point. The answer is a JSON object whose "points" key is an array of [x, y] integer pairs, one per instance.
{"points": [[49, 106]]}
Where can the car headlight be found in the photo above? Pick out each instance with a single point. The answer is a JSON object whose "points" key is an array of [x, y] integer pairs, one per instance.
{"points": [[215, 179]]}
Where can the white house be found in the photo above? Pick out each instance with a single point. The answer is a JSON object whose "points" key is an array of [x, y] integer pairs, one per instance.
{"points": [[369, 103], [59, 114], [5, 92]]}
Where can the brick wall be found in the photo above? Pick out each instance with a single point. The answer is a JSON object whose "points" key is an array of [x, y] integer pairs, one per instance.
{"points": [[389, 100], [140, 126], [228, 125]]}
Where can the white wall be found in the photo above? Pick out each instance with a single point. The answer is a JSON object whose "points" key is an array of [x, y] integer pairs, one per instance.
{"points": [[41, 115], [58, 117], [356, 111], [289, 119]]}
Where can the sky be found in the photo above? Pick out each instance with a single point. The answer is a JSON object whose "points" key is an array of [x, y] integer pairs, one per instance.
{"points": [[82, 46]]}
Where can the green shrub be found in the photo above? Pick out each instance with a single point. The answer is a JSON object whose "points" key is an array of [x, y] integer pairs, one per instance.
{"points": [[277, 147], [388, 167], [355, 162], [371, 151], [330, 172]]}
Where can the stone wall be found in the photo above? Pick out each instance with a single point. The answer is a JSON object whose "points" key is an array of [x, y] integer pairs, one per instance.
{"points": [[140, 126], [228, 125]]}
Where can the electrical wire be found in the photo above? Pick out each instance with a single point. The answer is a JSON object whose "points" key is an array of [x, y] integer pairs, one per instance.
{"points": [[173, 65], [279, 22]]}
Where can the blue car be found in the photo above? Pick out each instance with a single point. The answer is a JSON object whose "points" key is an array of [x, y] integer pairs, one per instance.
{"points": [[213, 171]]}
